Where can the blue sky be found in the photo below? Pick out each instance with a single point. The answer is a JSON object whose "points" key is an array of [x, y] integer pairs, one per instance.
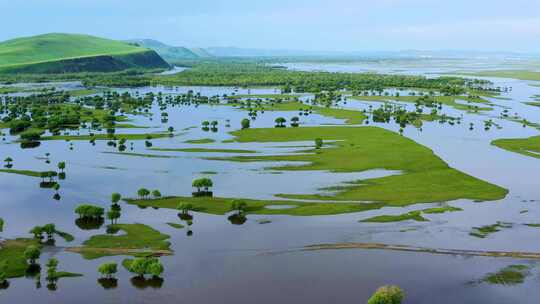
{"points": [[346, 25]]}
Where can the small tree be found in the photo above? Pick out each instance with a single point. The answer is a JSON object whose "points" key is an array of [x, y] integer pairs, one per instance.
{"points": [[155, 268], [37, 231], [245, 123], [280, 122], [50, 230], [108, 270], [294, 121], [8, 162], [115, 198], [62, 166], [387, 295], [143, 192], [204, 182], [32, 253], [318, 143], [156, 194]]}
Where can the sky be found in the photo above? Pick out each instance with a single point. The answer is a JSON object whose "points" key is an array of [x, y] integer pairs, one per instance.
{"points": [[314, 25]]}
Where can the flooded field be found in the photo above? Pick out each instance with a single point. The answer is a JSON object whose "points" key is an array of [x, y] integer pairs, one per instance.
{"points": [[262, 259]]}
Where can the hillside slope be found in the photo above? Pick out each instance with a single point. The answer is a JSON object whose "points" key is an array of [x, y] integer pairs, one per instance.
{"points": [[61, 53], [171, 53]]}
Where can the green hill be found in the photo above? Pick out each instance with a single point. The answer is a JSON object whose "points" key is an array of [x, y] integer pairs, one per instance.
{"points": [[61, 53]]}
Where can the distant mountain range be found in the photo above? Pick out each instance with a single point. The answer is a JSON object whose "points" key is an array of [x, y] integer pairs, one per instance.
{"points": [[172, 53]]}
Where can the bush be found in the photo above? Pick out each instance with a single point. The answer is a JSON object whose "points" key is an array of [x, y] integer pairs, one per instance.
{"points": [[387, 295]]}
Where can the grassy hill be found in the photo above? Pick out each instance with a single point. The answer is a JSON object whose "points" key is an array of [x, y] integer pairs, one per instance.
{"points": [[60, 53]]}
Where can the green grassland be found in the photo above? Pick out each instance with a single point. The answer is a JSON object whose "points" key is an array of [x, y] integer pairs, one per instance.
{"points": [[525, 146], [56, 53], [12, 254], [425, 177], [138, 239]]}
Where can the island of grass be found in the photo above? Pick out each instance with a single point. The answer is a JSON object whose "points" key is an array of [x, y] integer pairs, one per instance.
{"points": [[200, 141], [12, 254], [484, 231], [138, 239], [23, 172], [424, 178], [451, 101], [525, 146], [64, 53], [143, 136], [222, 206], [351, 117], [410, 216], [510, 275], [204, 150]]}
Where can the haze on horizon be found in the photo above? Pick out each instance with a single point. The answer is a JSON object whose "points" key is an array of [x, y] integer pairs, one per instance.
{"points": [[312, 25]]}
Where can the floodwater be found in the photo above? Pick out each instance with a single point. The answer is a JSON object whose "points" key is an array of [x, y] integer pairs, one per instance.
{"points": [[224, 263]]}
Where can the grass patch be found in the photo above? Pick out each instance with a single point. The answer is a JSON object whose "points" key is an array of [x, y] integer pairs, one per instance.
{"points": [[510, 275], [22, 172], [484, 231], [451, 101], [176, 225], [64, 274], [107, 136], [200, 141], [12, 253], [425, 177], [444, 209], [138, 239], [203, 150], [222, 206], [524, 146], [350, 116], [411, 216], [140, 154]]}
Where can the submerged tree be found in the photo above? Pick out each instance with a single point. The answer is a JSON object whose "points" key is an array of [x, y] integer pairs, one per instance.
{"points": [[387, 295]]}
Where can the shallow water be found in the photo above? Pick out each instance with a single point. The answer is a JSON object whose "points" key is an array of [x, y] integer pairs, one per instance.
{"points": [[250, 263]]}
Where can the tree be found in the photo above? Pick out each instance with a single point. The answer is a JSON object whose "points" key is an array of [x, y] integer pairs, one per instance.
{"points": [[239, 206], [245, 123], [108, 270], [50, 230], [138, 266], [387, 295], [61, 166], [280, 122], [8, 162], [185, 207], [115, 198], [156, 194], [155, 268], [204, 182], [32, 253], [113, 215], [143, 192], [294, 121], [37, 231], [318, 143]]}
